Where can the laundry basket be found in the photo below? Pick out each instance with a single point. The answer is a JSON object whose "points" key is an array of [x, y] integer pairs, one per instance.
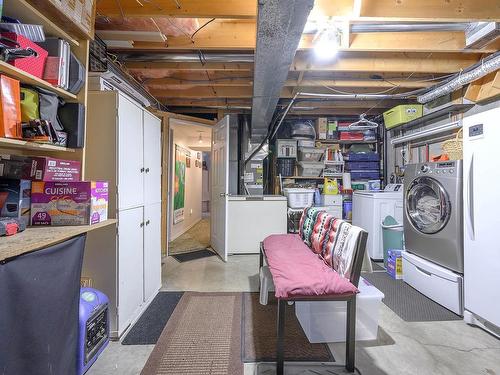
{"points": [[454, 147], [392, 235], [299, 197]]}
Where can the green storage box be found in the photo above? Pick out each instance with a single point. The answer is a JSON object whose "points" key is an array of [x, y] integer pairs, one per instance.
{"points": [[401, 114]]}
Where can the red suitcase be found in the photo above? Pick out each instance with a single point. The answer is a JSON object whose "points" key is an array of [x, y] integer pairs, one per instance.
{"points": [[33, 65]]}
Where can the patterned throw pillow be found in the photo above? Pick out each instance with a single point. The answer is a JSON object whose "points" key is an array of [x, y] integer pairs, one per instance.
{"points": [[340, 247], [320, 231], [306, 224]]}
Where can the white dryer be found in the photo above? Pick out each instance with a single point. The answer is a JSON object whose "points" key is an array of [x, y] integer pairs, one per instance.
{"points": [[370, 208]]}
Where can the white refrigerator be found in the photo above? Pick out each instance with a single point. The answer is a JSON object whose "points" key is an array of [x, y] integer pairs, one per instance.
{"points": [[482, 220]]}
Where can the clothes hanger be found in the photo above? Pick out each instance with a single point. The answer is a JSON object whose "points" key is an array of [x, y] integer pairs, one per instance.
{"points": [[363, 123]]}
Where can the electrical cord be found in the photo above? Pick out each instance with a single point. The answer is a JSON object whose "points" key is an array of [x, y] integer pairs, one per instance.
{"points": [[201, 27]]}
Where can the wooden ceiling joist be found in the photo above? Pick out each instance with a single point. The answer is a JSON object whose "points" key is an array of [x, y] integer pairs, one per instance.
{"points": [[191, 66], [241, 36], [407, 10], [410, 10], [180, 8], [388, 62]]}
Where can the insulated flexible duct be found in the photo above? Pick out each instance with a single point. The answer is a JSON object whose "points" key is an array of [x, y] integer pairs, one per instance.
{"points": [[474, 72]]}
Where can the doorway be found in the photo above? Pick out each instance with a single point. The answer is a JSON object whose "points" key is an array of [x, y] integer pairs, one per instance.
{"points": [[189, 209]]}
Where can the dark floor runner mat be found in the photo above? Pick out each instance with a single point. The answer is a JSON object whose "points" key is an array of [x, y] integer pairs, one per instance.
{"points": [[259, 334], [197, 254], [408, 303], [378, 266], [148, 328]]}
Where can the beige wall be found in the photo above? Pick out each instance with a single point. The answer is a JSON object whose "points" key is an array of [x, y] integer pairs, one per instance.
{"points": [[192, 208]]}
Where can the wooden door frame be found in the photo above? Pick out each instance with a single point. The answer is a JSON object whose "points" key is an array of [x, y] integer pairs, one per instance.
{"points": [[166, 117]]}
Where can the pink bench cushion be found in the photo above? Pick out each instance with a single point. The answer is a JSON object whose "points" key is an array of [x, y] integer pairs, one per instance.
{"points": [[297, 271]]}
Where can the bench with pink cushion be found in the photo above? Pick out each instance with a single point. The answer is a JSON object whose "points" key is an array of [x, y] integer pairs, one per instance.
{"points": [[321, 263]]}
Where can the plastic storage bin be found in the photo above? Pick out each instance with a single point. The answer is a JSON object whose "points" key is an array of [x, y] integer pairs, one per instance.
{"points": [[367, 175], [392, 235], [363, 156], [347, 210], [362, 165], [299, 197], [310, 169], [401, 114], [286, 167], [326, 321], [310, 154], [286, 148]]}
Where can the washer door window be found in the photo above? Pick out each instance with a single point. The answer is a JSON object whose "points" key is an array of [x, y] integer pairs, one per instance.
{"points": [[427, 205]]}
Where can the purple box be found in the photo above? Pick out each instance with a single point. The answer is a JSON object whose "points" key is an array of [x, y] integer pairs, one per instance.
{"points": [[50, 169], [69, 203]]}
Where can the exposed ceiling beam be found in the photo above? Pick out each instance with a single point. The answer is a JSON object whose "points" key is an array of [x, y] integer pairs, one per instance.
{"points": [[407, 10], [240, 92], [241, 36], [412, 10], [389, 62], [190, 66], [180, 8], [174, 83], [345, 62]]}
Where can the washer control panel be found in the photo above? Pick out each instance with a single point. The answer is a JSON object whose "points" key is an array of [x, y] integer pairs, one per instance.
{"points": [[446, 168]]}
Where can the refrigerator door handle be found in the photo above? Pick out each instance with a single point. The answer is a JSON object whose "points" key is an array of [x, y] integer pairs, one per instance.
{"points": [[469, 199]]}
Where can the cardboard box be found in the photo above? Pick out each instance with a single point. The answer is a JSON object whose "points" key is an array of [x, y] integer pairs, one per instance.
{"points": [[50, 169], [69, 203], [18, 167], [321, 127], [395, 264], [15, 199]]}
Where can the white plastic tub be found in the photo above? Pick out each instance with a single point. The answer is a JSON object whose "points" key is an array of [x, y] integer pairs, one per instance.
{"points": [[310, 154], [326, 321], [310, 168], [299, 197]]}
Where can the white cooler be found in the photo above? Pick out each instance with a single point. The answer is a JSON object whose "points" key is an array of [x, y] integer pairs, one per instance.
{"points": [[326, 321]]}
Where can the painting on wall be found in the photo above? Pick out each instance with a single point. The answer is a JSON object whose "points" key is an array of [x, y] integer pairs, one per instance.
{"points": [[181, 157], [188, 162]]}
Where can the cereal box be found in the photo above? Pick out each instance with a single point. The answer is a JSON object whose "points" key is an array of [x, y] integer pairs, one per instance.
{"points": [[69, 203]]}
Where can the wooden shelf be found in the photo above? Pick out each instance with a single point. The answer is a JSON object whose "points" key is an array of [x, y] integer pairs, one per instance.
{"points": [[453, 109], [27, 145], [30, 79], [27, 13], [35, 238]]}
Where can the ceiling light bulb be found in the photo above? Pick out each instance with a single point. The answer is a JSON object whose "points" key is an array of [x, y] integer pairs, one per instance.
{"points": [[325, 49]]}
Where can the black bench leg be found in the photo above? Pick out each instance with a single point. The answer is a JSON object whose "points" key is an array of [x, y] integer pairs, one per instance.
{"points": [[351, 334], [280, 347]]}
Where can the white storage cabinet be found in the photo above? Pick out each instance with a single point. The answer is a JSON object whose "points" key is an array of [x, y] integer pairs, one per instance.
{"points": [[125, 149]]}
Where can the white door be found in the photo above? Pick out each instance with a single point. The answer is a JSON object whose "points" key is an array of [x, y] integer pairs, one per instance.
{"points": [[130, 265], [152, 250], [481, 218], [130, 154], [152, 159], [220, 185]]}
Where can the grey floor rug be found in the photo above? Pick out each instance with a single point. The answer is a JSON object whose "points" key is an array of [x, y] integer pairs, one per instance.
{"points": [[148, 328], [408, 303], [196, 254], [377, 266]]}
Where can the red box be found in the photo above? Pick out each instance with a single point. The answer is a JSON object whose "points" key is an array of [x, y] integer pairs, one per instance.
{"points": [[33, 65], [50, 169], [351, 136]]}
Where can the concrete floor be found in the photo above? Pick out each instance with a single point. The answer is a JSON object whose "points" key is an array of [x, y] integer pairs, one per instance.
{"points": [[402, 348]]}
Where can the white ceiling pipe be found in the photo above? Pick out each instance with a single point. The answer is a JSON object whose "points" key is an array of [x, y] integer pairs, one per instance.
{"points": [[482, 68], [427, 133]]}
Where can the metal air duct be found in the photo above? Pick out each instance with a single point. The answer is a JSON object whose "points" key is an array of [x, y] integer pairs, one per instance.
{"points": [[279, 28], [485, 66]]}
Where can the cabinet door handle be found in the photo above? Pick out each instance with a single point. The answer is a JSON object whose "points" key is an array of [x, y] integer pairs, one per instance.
{"points": [[147, 170], [141, 224], [142, 170], [147, 222]]}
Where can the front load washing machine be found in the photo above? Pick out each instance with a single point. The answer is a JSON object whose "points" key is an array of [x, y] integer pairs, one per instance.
{"points": [[433, 213]]}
